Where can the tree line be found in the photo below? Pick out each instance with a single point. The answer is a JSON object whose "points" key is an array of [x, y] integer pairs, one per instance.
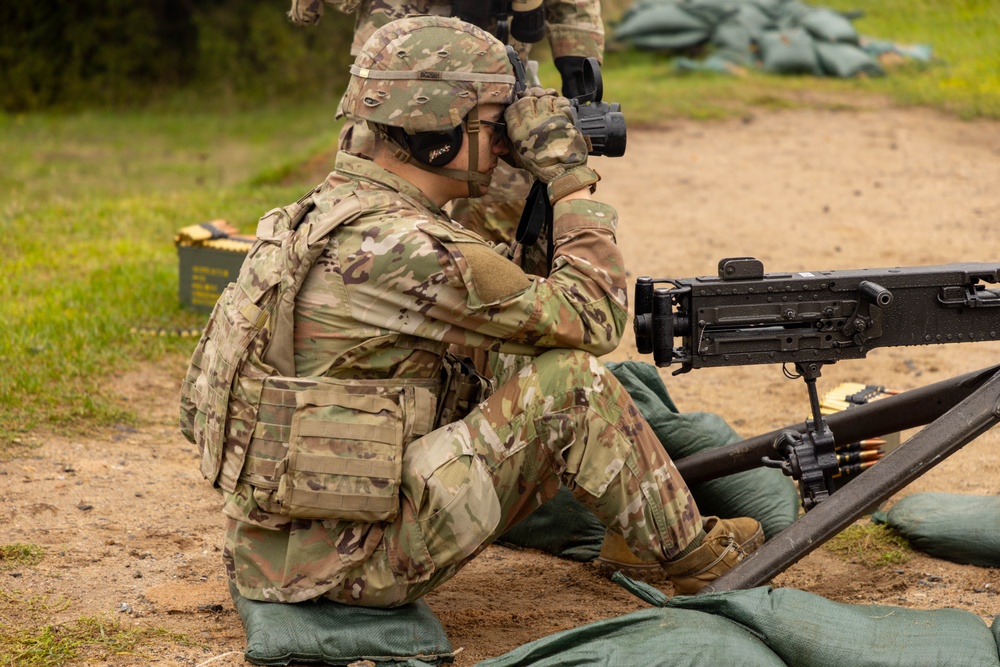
{"points": [[123, 53]]}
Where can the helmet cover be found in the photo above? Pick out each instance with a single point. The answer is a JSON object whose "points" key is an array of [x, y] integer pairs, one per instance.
{"points": [[425, 73]]}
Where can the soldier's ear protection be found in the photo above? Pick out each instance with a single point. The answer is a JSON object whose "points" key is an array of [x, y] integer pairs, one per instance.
{"points": [[435, 149]]}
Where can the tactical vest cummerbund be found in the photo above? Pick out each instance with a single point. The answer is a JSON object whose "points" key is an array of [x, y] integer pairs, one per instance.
{"points": [[330, 449]]}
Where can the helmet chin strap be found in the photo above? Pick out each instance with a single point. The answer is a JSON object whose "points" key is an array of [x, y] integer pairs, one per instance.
{"points": [[478, 181]]}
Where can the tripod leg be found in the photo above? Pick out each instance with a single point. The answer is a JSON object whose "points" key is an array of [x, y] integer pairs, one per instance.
{"points": [[910, 409], [941, 438]]}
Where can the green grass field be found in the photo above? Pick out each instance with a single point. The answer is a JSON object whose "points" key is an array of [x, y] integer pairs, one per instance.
{"points": [[90, 202]]}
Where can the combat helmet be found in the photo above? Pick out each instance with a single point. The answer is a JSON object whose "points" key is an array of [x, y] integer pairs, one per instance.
{"points": [[418, 79]]}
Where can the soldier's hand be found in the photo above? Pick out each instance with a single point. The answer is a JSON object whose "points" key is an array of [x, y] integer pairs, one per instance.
{"points": [[545, 141]]}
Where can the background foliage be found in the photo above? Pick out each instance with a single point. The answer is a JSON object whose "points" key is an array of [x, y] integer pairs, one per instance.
{"points": [[115, 53]]}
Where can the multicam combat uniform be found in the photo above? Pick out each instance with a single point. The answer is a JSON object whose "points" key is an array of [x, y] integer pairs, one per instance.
{"points": [[389, 293], [574, 28]]}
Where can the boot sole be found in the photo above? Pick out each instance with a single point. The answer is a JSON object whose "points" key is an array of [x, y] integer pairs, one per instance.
{"points": [[651, 574]]}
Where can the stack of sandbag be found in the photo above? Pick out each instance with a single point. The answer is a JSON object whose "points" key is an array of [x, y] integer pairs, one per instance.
{"points": [[765, 627], [778, 36]]}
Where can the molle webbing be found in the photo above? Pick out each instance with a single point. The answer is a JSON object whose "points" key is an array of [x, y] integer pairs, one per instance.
{"points": [[268, 447], [249, 336]]}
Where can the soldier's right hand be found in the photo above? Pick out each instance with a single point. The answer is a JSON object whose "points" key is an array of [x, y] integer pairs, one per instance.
{"points": [[545, 141]]}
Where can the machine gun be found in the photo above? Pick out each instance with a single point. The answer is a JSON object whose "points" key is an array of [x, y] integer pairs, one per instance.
{"points": [[809, 319]]}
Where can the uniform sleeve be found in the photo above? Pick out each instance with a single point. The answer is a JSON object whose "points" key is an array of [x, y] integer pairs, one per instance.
{"points": [[457, 290], [575, 28]]}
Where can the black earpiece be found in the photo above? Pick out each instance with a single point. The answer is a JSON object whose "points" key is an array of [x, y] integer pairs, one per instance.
{"points": [[435, 149]]}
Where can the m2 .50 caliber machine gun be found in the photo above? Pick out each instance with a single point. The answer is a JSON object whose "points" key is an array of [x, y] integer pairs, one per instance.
{"points": [[806, 320]]}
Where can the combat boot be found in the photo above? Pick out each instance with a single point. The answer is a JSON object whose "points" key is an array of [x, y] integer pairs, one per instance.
{"points": [[617, 557], [726, 543]]}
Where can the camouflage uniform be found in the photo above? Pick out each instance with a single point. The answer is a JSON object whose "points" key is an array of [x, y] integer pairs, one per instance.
{"points": [[574, 27], [389, 293]]}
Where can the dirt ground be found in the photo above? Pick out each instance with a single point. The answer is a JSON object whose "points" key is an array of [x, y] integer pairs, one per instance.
{"points": [[131, 531]]}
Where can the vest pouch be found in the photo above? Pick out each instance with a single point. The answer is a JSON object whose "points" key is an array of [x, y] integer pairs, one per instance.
{"points": [[345, 456], [463, 389], [205, 394]]}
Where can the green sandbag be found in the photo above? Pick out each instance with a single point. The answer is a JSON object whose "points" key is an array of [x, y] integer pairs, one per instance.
{"points": [[733, 38], [670, 26], [807, 630], [329, 633], [561, 526], [662, 18], [651, 638], [756, 18], [955, 527], [829, 26], [846, 61], [762, 493], [879, 47], [788, 52], [670, 43]]}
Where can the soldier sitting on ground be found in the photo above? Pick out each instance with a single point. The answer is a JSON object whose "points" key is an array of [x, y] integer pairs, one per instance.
{"points": [[356, 459]]}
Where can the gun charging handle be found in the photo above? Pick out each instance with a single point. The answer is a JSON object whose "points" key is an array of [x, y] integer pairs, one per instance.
{"points": [[875, 293]]}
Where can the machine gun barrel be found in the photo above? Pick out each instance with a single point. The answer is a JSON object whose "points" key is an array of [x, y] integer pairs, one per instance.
{"points": [[745, 316]]}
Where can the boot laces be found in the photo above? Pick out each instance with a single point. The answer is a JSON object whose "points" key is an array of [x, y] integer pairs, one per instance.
{"points": [[731, 545]]}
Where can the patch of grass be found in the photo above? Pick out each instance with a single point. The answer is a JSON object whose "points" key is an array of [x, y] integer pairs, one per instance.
{"points": [[18, 554], [90, 204], [87, 639], [871, 544], [65, 157], [19, 608], [965, 37]]}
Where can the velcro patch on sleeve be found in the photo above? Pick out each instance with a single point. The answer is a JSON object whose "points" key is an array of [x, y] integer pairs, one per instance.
{"points": [[496, 278]]}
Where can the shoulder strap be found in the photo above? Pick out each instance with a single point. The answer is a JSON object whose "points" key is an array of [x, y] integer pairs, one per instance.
{"points": [[346, 210], [267, 227], [280, 353]]}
